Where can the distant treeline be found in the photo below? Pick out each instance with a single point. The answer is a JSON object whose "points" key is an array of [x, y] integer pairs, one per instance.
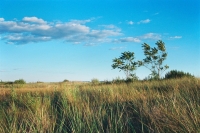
{"points": [[19, 81]]}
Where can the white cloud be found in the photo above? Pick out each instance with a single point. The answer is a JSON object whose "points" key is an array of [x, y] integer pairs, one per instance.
{"points": [[20, 27], [77, 42], [144, 21], [102, 33], [117, 48], [138, 39], [127, 39], [34, 20], [23, 39], [82, 21], [1, 19], [32, 29], [176, 37], [154, 36], [156, 13], [130, 22], [90, 44]]}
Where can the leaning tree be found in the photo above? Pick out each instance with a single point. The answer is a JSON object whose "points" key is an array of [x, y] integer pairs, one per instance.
{"points": [[125, 63], [154, 58]]}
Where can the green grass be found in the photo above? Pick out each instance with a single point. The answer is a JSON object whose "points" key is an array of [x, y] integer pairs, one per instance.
{"points": [[167, 106]]}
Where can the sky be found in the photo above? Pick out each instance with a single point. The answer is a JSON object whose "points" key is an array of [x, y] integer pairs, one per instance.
{"points": [[54, 40]]}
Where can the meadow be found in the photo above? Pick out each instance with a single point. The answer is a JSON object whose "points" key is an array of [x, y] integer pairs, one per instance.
{"points": [[166, 106]]}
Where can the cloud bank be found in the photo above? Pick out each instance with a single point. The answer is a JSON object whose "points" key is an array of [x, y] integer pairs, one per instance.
{"points": [[33, 29]]}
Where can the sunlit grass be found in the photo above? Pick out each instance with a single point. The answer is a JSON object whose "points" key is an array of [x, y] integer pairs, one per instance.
{"points": [[156, 106]]}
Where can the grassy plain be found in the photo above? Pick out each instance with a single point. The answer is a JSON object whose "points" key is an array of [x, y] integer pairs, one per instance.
{"points": [[166, 106]]}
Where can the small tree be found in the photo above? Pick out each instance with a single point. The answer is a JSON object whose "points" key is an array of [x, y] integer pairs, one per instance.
{"points": [[20, 81], [154, 59], [126, 64]]}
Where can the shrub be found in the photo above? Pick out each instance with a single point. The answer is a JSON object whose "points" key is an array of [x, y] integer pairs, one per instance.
{"points": [[20, 81], [65, 80], [95, 81], [177, 74]]}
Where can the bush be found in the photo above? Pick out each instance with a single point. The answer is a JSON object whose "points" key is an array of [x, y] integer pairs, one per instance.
{"points": [[177, 74], [20, 81], [65, 80], [95, 81]]}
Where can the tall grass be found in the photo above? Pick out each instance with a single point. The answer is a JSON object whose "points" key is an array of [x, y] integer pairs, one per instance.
{"points": [[156, 106]]}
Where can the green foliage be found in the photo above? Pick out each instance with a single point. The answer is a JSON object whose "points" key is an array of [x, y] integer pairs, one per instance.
{"points": [[154, 59], [177, 74], [125, 63], [20, 81], [95, 81], [65, 80]]}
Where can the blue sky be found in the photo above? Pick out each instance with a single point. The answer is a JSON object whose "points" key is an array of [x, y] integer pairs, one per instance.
{"points": [[77, 39]]}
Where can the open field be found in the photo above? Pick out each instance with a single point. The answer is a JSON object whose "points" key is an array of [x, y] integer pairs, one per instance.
{"points": [[166, 106]]}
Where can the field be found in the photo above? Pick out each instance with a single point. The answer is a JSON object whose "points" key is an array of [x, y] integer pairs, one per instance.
{"points": [[167, 106]]}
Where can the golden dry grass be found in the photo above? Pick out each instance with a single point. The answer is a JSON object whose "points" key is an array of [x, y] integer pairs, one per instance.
{"points": [[156, 106]]}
